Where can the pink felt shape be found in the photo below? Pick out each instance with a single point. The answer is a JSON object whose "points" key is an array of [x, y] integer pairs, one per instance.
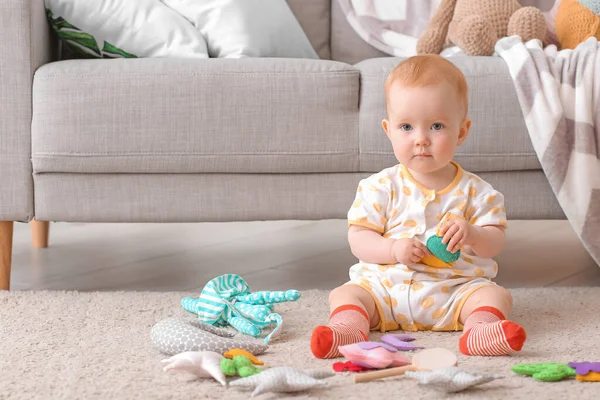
{"points": [[373, 356]]}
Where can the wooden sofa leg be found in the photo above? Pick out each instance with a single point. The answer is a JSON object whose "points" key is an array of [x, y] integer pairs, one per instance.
{"points": [[39, 234], [6, 241]]}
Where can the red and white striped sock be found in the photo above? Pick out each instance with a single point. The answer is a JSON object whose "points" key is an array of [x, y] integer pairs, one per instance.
{"points": [[347, 324], [487, 333]]}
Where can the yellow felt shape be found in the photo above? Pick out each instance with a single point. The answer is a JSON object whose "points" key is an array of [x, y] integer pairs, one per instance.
{"points": [[589, 377], [240, 352], [433, 261]]}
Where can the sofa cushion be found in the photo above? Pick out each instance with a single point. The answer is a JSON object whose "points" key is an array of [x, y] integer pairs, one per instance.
{"points": [[498, 141], [113, 28], [249, 28], [195, 116]]}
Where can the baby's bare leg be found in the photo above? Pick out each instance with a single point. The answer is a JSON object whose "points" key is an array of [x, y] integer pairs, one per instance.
{"points": [[490, 296], [352, 313], [488, 332], [353, 294]]}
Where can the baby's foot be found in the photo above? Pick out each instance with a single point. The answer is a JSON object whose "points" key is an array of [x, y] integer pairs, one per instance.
{"points": [[488, 334], [347, 325]]}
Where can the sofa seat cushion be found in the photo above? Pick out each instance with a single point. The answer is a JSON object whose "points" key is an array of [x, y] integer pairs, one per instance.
{"points": [[498, 141], [195, 116]]}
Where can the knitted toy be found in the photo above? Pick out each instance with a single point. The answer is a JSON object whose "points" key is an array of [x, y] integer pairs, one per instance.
{"points": [[440, 256], [576, 21], [545, 372], [238, 366], [226, 299], [476, 26]]}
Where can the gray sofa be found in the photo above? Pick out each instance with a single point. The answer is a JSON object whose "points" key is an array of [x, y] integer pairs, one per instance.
{"points": [[168, 140]]}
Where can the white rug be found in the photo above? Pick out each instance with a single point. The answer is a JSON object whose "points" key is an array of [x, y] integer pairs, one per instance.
{"points": [[57, 345]]}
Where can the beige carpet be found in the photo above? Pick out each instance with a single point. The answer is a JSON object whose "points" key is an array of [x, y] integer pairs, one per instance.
{"points": [[57, 345]]}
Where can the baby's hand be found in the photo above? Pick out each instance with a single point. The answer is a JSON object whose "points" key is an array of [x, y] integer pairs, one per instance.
{"points": [[458, 233], [409, 251]]}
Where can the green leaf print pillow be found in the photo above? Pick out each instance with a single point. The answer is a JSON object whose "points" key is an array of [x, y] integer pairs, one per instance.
{"points": [[124, 29]]}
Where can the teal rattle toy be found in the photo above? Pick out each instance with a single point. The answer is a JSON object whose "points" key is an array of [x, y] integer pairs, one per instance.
{"points": [[440, 256], [440, 250]]}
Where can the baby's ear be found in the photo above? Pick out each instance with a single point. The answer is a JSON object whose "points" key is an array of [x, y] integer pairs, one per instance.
{"points": [[464, 131], [385, 124]]}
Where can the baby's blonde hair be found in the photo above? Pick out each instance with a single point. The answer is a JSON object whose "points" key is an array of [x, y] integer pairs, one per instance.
{"points": [[429, 69]]}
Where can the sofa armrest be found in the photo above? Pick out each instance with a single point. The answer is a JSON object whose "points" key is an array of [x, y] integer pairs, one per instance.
{"points": [[25, 43]]}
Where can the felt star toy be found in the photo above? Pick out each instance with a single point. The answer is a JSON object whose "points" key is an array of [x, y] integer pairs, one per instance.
{"points": [[587, 371], [583, 368], [400, 342], [349, 366], [203, 364], [545, 372], [283, 379], [451, 379]]}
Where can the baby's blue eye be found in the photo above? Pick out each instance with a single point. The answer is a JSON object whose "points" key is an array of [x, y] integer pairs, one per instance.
{"points": [[406, 127], [437, 127]]}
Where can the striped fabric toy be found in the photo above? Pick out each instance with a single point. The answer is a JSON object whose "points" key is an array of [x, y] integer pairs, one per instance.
{"points": [[227, 299]]}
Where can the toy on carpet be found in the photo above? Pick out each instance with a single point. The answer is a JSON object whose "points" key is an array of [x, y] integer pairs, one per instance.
{"points": [[227, 300], [238, 366], [545, 372], [400, 342], [586, 371], [476, 26], [241, 352], [425, 360], [451, 379], [350, 367], [440, 256], [203, 364], [283, 380], [175, 335], [373, 355], [440, 250], [576, 21]]}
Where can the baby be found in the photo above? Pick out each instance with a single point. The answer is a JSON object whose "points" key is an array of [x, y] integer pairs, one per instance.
{"points": [[398, 283]]}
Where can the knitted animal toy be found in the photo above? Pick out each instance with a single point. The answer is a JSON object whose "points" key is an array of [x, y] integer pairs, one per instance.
{"points": [[476, 26], [226, 299], [576, 21]]}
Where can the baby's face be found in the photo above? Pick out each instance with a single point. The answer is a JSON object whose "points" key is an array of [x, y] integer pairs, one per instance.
{"points": [[425, 125]]}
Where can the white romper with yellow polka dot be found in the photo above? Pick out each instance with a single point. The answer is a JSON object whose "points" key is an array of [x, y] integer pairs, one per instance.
{"points": [[394, 204]]}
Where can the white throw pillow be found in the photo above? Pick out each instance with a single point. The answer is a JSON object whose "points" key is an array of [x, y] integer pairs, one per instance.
{"points": [[246, 28], [124, 28]]}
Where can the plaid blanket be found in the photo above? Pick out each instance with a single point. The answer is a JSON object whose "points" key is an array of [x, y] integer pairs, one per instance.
{"points": [[559, 93]]}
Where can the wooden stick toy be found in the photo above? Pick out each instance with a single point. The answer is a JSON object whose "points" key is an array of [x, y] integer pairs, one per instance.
{"points": [[426, 360]]}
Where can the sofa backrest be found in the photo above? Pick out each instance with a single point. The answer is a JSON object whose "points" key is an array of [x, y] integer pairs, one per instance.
{"points": [[315, 18]]}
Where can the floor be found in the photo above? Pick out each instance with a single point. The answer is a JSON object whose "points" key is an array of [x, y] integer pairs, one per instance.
{"points": [[275, 255]]}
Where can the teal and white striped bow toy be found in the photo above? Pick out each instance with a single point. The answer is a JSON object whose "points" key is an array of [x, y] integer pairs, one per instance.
{"points": [[227, 299]]}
